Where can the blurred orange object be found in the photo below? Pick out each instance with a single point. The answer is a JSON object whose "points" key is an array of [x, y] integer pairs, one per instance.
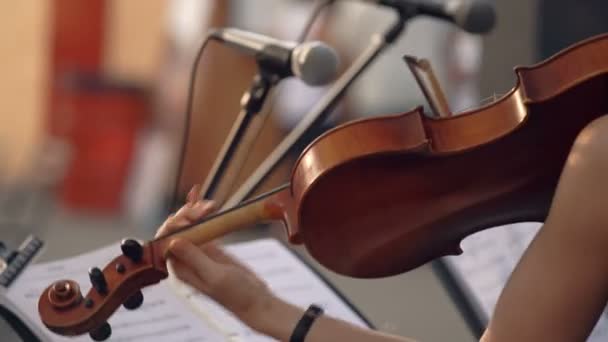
{"points": [[100, 120]]}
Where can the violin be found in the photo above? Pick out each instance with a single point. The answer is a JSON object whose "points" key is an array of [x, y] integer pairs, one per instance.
{"points": [[381, 196]]}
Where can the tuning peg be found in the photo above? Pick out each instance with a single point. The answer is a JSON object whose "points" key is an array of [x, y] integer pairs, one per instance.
{"points": [[134, 301], [131, 249], [98, 280], [102, 332]]}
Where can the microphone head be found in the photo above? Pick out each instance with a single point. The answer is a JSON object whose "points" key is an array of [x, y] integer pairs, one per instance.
{"points": [[315, 63], [473, 16]]}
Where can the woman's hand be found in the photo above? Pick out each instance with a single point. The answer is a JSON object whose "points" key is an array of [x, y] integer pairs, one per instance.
{"points": [[213, 271], [224, 279]]}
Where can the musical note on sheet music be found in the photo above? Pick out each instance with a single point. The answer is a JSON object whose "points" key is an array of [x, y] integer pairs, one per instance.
{"points": [[487, 262]]}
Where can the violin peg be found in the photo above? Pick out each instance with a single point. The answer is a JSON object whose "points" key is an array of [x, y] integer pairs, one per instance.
{"points": [[134, 301], [132, 249], [101, 333], [98, 280]]}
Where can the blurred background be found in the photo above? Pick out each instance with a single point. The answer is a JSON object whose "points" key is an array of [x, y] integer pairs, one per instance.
{"points": [[94, 96]]}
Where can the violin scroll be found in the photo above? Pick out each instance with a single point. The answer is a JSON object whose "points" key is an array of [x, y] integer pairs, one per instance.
{"points": [[64, 294], [64, 310]]}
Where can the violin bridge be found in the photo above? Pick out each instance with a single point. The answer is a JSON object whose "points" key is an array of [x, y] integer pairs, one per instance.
{"points": [[426, 79]]}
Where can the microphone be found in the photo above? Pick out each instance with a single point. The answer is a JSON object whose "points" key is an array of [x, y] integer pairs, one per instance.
{"points": [[474, 16], [313, 62]]}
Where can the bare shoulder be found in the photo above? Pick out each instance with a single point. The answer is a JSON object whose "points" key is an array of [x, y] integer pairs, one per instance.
{"points": [[591, 145], [595, 134]]}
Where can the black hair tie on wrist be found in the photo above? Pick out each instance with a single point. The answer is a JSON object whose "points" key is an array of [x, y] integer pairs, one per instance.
{"points": [[301, 329]]}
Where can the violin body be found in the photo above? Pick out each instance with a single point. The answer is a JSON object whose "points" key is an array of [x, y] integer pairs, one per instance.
{"points": [[381, 196]]}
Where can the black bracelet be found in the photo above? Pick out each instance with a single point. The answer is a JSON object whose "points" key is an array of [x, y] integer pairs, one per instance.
{"points": [[301, 329]]}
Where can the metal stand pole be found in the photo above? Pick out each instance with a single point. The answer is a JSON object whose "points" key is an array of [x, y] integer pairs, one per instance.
{"points": [[251, 103], [322, 109]]}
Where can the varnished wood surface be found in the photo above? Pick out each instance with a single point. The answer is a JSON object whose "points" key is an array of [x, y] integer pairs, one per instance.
{"points": [[399, 191]]}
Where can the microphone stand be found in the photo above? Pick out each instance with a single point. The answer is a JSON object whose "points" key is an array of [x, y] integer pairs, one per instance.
{"points": [[378, 43], [252, 102]]}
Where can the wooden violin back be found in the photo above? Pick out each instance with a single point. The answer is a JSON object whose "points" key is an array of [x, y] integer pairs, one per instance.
{"points": [[399, 191]]}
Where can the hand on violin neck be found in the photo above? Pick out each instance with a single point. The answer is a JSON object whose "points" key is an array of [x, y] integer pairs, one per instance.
{"points": [[217, 274], [210, 269], [188, 214]]}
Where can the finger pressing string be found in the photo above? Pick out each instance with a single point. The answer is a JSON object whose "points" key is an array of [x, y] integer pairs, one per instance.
{"points": [[194, 195], [195, 211], [171, 224], [198, 210], [185, 216]]}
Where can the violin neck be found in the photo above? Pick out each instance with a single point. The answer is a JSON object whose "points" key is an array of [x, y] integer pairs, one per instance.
{"points": [[233, 220], [262, 209]]}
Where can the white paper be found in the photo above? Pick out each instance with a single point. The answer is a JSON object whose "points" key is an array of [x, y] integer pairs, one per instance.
{"points": [[489, 258], [171, 310]]}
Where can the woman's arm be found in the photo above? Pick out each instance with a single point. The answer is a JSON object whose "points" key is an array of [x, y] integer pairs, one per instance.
{"points": [[559, 289], [217, 274], [280, 319]]}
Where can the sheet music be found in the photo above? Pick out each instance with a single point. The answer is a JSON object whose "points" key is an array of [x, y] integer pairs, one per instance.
{"points": [[171, 311], [489, 258], [160, 318]]}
